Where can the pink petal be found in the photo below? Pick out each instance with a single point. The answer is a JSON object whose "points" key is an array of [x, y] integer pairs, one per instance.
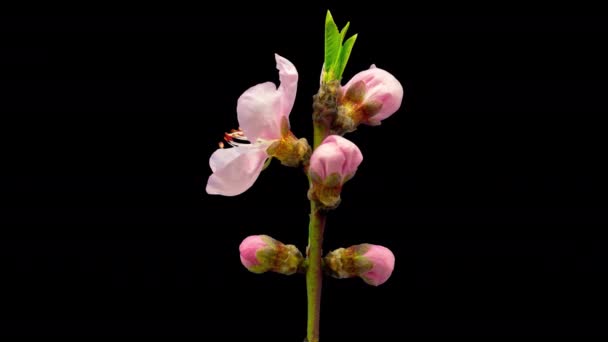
{"points": [[327, 159], [235, 169], [353, 156], [261, 108], [288, 76], [223, 157], [383, 261], [258, 112], [249, 248]]}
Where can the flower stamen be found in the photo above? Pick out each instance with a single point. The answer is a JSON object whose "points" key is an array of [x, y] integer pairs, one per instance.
{"points": [[235, 138]]}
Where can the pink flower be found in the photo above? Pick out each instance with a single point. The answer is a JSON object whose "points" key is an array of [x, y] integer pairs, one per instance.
{"points": [[261, 253], [335, 156], [383, 264], [376, 93], [263, 112]]}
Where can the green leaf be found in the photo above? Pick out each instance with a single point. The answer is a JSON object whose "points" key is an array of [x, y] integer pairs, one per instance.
{"points": [[344, 56], [332, 43], [343, 32]]}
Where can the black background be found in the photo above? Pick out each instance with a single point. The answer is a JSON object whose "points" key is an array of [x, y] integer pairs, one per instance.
{"points": [[487, 184]]}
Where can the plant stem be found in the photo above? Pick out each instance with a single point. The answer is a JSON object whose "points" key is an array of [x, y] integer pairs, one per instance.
{"points": [[314, 274], [320, 133]]}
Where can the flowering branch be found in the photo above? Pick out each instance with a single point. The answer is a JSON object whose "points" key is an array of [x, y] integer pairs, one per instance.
{"points": [[263, 113]]}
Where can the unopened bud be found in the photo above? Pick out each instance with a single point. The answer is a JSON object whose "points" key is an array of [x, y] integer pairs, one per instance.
{"points": [[369, 97], [372, 263], [261, 253], [332, 164]]}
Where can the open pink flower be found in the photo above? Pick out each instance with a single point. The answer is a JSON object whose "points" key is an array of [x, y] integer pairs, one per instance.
{"points": [[377, 91], [261, 110]]}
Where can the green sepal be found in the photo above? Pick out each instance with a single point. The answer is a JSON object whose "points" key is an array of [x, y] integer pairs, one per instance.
{"points": [[333, 180], [284, 126], [329, 197], [356, 92], [315, 178], [361, 263], [361, 249], [371, 108], [267, 163]]}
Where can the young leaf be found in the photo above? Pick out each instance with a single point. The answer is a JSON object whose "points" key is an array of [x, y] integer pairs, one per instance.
{"points": [[343, 32], [332, 43], [344, 55]]}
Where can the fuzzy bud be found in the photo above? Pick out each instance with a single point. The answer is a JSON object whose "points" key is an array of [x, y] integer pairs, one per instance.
{"points": [[369, 97], [372, 263], [332, 164], [261, 253]]}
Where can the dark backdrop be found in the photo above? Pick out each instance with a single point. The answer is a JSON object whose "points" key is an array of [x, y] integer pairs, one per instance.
{"points": [[487, 184]]}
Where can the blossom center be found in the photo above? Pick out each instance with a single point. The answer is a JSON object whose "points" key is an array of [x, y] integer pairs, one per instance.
{"points": [[290, 150]]}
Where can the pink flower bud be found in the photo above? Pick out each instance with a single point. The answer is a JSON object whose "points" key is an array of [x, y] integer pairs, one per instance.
{"points": [[261, 253], [332, 164], [373, 263], [336, 155], [249, 249], [383, 264], [377, 94]]}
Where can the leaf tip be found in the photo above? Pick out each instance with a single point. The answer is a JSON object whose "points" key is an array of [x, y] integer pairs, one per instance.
{"points": [[328, 17]]}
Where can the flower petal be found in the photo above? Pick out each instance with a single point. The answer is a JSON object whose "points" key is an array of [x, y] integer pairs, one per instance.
{"points": [[261, 108], [249, 249], [289, 84], [383, 261], [235, 169], [258, 112], [353, 154], [327, 160]]}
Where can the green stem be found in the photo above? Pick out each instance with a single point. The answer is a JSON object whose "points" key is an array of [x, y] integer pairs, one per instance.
{"points": [[314, 274], [320, 133]]}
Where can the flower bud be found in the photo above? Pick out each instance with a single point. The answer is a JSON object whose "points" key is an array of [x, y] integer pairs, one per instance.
{"points": [[372, 263], [332, 164], [261, 253], [369, 97], [383, 264]]}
